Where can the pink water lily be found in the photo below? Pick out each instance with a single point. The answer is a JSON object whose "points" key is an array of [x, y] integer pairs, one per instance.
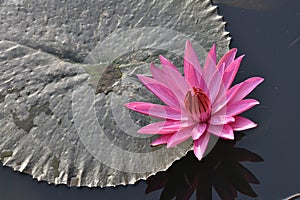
{"points": [[199, 104]]}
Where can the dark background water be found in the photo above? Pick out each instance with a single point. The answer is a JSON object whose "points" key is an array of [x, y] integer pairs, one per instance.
{"points": [[270, 40]]}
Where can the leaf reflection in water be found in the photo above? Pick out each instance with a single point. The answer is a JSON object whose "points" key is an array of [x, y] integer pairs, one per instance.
{"points": [[220, 169], [253, 4]]}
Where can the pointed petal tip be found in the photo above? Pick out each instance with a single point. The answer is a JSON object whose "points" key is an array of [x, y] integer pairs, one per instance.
{"points": [[140, 131], [200, 146], [140, 76], [188, 43], [250, 126], [212, 54], [230, 54], [133, 105], [144, 79], [130, 105], [198, 131], [163, 60], [231, 137], [188, 48], [156, 143], [255, 102], [166, 63], [252, 102], [162, 57], [198, 156], [240, 58], [227, 136], [259, 79], [234, 50], [152, 64], [153, 69], [242, 124], [256, 79], [161, 140], [198, 153]]}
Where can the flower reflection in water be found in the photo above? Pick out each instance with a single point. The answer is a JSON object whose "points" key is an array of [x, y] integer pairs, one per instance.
{"points": [[220, 169]]}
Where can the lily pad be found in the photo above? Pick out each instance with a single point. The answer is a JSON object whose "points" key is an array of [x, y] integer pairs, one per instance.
{"points": [[66, 69]]}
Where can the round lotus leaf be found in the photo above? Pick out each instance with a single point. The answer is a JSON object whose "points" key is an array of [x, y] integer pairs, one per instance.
{"points": [[66, 71]]}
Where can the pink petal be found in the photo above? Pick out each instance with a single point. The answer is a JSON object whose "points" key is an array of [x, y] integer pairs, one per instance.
{"points": [[236, 93], [198, 131], [191, 74], [180, 136], [228, 58], [209, 67], [192, 68], [173, 79], [242, 123], [161, 140], [231, 71], [221, 119], [212, 54], [229, 74], [208, 70], [240, 106], [156, 110], [161, 91], [241, 90], [162, 76], [157, 73], [200, 145], [223, 131], [219, 104], [220, 101], [164, 127], [166, 62], [215, 83], [190, 55]]}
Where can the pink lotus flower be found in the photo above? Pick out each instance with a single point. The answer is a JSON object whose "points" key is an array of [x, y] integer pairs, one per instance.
{"points": [[199, 104]]}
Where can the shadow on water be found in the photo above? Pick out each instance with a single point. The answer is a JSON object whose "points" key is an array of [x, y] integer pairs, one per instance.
{"points": [[221, 169]]}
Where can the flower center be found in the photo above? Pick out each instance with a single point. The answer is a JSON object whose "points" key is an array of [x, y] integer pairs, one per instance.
{"points": [[198, 104]]}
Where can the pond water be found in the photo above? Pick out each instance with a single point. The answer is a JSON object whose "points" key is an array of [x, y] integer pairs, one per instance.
{"points": [[270, 38]]}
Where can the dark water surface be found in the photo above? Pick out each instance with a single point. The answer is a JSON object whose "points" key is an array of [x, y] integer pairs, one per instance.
{"points": [[270, 40]]}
